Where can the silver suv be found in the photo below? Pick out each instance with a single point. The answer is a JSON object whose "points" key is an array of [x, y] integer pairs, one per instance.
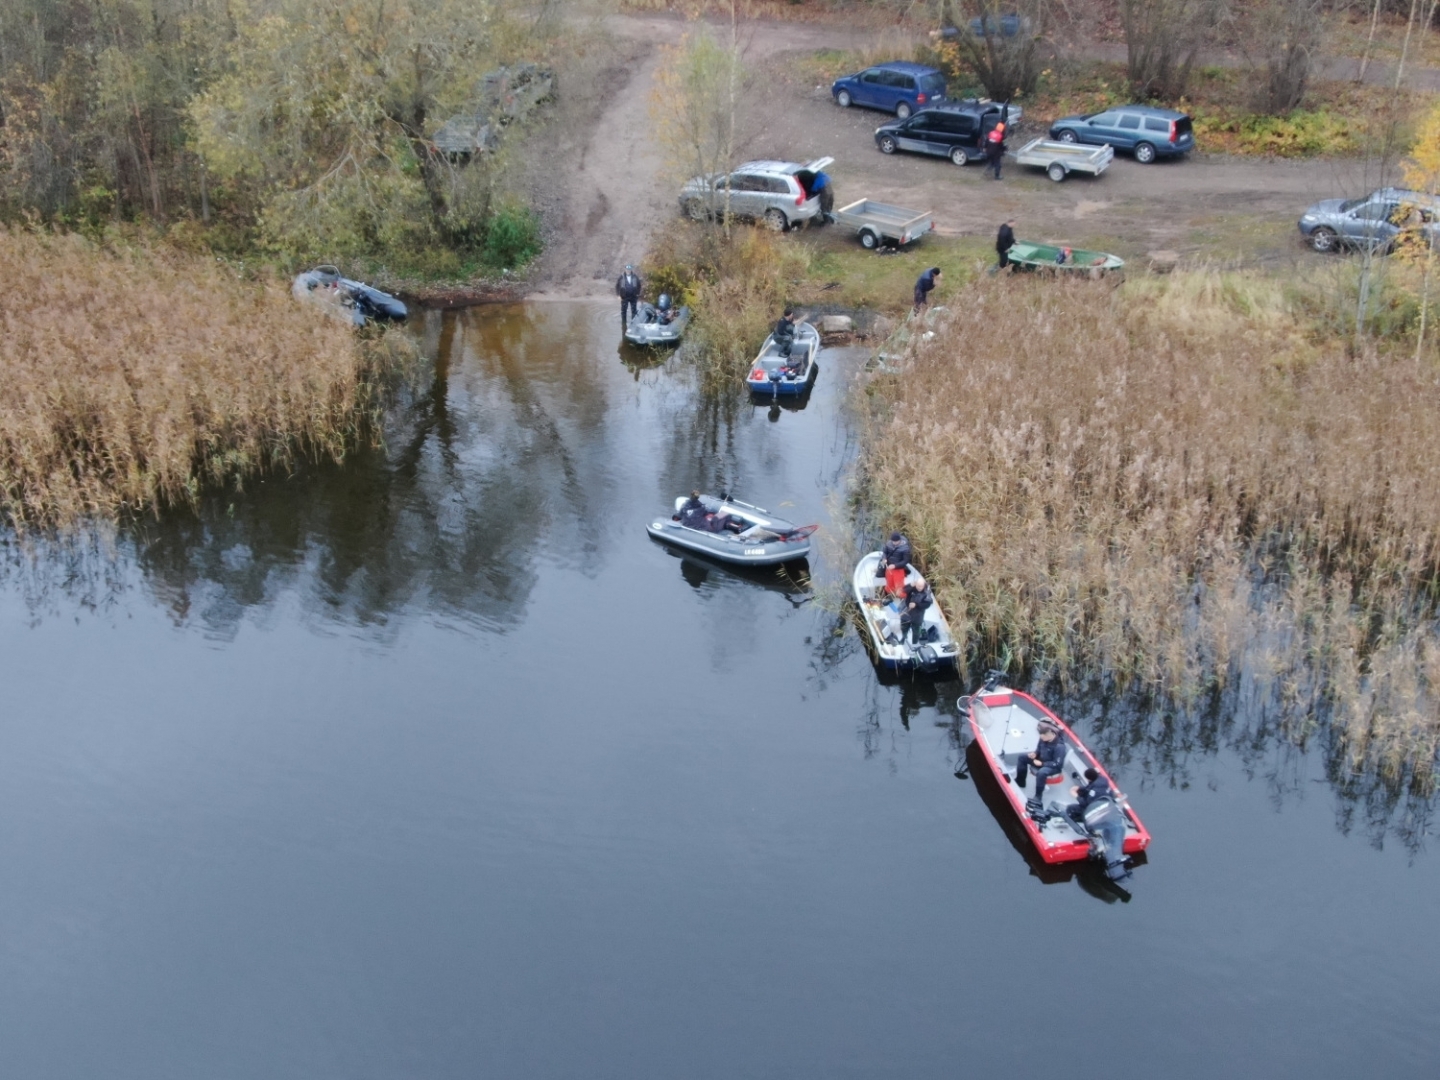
{"points": [[779, 193], [1373, 221]]}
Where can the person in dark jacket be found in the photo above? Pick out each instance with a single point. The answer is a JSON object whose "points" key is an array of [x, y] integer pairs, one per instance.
{"points": [[924, 285], [1004, 241], [1095, 787], [995, 148], [895, 557], [784, 332], [917, 600], [1047, 760], [692, 512], [627, 287]]}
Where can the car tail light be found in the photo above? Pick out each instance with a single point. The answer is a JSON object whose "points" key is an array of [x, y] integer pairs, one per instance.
{"points": [[1172, 130], [919, 99], [800, 199]]}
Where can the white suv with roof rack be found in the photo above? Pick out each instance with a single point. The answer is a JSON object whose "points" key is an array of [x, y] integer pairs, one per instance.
{"points": [[779, 193]]}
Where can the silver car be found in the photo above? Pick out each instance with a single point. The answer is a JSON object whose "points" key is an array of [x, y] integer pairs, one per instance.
{"points": [[779, 193], [1372, 221]]}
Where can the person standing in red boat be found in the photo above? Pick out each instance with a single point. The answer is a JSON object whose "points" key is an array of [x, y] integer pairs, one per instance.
{"points": [[1046, 760]]}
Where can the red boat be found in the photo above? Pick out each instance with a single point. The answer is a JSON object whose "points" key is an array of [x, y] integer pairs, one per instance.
{"points": [[1004, 725]]}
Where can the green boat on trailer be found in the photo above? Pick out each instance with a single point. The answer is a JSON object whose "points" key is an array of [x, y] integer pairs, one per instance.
{"points": [[1031, 256]]}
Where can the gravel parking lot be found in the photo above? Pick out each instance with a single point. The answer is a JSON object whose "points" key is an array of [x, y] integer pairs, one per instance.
{"points": [[618, 188]]}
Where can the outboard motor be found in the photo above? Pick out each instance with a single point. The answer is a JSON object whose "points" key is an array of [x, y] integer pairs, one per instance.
{"points": [[1105, 822]]}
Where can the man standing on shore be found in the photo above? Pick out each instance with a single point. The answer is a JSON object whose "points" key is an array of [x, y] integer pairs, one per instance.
{"points": [[1004, 241], [923, 286], [628, 288]]}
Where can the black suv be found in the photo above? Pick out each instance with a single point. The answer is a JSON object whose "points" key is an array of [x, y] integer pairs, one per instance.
{"points": [[956, 131]]}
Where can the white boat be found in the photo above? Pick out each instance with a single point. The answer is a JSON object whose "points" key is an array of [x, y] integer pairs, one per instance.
{"points": [[937, 652]]}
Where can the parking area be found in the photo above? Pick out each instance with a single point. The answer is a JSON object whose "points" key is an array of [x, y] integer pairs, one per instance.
{"points": [[1205, 207]]}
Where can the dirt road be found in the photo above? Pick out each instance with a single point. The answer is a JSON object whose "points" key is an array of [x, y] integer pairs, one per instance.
{"points": [[604, 187]]}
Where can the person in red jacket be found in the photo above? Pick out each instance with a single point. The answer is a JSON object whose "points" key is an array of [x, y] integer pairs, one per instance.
{"points": [[995, 147]]}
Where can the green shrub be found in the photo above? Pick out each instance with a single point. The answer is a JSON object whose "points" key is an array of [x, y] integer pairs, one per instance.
{"points": [[513, 238]]}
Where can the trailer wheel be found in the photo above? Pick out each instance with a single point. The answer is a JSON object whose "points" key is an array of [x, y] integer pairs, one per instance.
{"points": [[1056, 171], [869, 239]]}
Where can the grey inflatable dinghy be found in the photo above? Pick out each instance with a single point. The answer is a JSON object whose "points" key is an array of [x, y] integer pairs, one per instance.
{"points": [[936, 653], [353, 301], [734, 532], [647, 328]]}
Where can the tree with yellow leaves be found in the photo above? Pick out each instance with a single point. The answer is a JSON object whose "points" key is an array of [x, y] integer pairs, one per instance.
{"points": [[695, 106], [1422, 173]]}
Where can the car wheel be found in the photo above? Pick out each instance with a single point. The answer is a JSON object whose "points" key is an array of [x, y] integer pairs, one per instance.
{"points": [[775, 219], [1068, 136], [1323, 239], [1144, 153], [1056, 171], [694, 210], [868, 240], [887, 144], [959, 157], [903, 110], [843, 99]]}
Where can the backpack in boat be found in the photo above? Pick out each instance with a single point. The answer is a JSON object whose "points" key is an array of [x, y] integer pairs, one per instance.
{"points": [[932, 633]]}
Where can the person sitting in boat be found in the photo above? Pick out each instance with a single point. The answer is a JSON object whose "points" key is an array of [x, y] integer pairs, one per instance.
{"points": [[693, 512], [784, 333], [1047, 760], [665, 309], [917, 600], [895, 559], [1095, 787]]}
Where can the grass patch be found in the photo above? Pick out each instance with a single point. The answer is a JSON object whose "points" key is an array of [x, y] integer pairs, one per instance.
{"points": [[1173, 483], [134, 378], [843, 273]]}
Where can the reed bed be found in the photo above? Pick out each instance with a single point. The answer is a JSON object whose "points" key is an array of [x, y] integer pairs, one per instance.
{"points": [[131, 380], [1172, 483]]}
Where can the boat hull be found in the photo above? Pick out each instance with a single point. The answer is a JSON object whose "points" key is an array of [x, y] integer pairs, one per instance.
{"points": [[1002, 725], [880, 625], [351, 301]]}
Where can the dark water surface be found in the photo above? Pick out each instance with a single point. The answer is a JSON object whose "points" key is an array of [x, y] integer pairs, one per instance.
{"points": [[436, 766]]}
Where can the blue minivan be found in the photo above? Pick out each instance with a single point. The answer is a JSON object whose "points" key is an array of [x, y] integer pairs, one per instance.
{"points": [[898, 88]]}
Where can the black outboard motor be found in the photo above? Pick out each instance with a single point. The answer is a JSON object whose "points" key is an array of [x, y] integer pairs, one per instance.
{"points": [[1104, 820]]}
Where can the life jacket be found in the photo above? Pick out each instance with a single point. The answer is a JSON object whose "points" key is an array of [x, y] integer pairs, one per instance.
{"points": [[995, 136]]}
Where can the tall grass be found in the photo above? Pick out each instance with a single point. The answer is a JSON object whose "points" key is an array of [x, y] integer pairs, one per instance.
{"points": [[1173, 481], [131, 380], [738, 286]]}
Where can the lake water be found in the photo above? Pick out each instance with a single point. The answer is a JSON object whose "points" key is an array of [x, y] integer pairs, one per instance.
{"points": [[435, 766]]}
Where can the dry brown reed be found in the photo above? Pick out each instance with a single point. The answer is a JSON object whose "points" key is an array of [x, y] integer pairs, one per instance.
{"points": [[737, 285], [1171, 482], [130, 380]]}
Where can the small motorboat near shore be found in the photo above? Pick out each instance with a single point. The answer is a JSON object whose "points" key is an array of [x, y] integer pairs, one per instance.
{"points": [[773, 375], [649, 328], [734, 532], [352, 301], [936, 654], [1004, 724]]}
